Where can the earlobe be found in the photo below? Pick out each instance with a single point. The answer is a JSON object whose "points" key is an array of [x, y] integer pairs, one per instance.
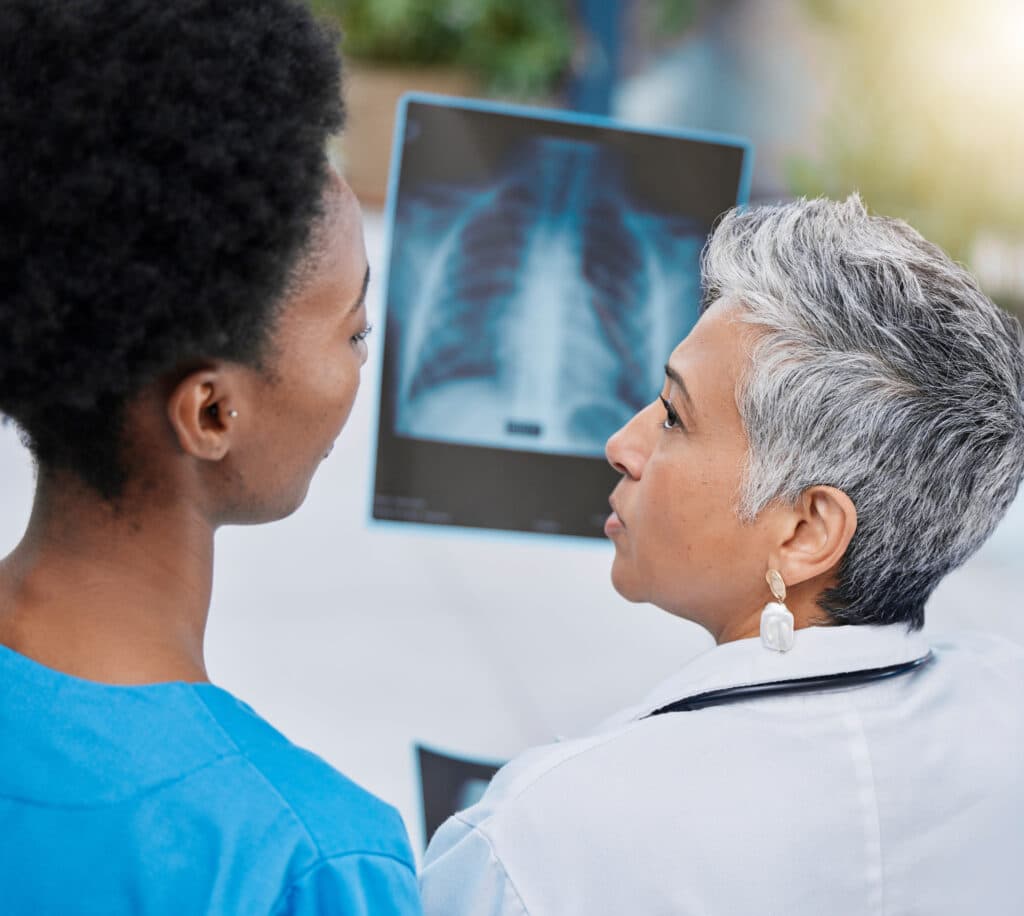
{"points": [[826, 520], [199, 415]]}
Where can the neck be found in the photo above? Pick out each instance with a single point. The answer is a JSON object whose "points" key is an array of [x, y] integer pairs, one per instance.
{"points": [[116, 594], [802, 603]]}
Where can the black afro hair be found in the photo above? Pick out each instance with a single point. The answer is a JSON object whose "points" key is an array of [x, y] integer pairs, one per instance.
{"points": [[161, 170]]}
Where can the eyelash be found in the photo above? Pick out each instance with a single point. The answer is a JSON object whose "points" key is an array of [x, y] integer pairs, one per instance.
{"points": [[671, 420], [363, 334]]}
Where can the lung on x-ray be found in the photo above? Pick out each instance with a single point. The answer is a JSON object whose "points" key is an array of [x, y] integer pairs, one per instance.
{"points": [[542, 269]]}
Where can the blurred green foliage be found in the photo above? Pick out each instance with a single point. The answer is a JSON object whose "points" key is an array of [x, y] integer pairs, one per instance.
{"points": [[673, 17], [925, 118], [520, 49], [516, 49]]}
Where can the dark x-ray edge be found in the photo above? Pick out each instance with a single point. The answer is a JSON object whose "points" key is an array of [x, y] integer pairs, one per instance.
{"points": [[578, 531], [440, 774]]}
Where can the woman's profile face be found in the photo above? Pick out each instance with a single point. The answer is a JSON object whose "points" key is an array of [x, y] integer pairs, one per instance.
{"points": [[297, 406], [678, 540]]}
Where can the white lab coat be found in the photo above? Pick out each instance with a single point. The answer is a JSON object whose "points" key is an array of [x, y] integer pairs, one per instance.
{"points": [[905, 796]]}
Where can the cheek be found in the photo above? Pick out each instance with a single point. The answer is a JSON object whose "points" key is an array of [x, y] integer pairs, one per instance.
{"points": [[348, 386], [334, 398], [331, 392], [693, 512]]}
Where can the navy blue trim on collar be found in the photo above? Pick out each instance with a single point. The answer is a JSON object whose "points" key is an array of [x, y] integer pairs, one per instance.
{"points": [[815, 684]]}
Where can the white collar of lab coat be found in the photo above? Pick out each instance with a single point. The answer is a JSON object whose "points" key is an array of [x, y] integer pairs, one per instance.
{"points": [[817, 652]]}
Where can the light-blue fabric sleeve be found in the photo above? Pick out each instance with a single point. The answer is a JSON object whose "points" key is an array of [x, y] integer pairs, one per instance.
{"points": [[354, 884]]}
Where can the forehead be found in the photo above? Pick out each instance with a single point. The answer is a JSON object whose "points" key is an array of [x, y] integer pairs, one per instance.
{"points": [[336, 245], [714, 355]]}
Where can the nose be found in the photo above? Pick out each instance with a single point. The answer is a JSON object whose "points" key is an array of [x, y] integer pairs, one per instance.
{"points": [[627, 449]]}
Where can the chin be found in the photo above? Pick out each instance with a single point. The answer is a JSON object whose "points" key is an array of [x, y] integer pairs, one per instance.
{"points": [[626, 584], [291, 505], [259, 509]]}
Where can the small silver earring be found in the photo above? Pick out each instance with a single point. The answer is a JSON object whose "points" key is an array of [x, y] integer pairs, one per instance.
{"points": [[776, 618], [232, 414]]}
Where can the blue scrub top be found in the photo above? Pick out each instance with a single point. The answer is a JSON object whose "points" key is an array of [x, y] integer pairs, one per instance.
{"points": [[177, 798]]}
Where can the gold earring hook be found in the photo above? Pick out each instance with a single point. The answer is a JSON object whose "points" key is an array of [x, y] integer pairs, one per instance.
{"points": [[775, 583]]}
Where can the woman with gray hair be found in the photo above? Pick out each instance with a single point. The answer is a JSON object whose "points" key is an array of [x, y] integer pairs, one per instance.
{"points": [[843, 427]]}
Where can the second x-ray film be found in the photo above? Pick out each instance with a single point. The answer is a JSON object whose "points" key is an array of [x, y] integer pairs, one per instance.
{"points": [[542, 268]]}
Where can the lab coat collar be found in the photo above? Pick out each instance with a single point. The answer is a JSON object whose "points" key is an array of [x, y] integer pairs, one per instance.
{"points": [[818, 651]]}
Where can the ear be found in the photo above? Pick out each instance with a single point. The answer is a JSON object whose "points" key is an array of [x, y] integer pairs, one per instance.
{"points": [[820, 528], [200, 413]]}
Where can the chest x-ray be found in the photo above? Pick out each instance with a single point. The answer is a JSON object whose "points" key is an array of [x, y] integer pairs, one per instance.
{"points": [[536, 307], [541, 272]]}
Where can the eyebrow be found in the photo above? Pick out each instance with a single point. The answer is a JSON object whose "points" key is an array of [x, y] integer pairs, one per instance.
{"points": [[677, 379], [362, 294]]}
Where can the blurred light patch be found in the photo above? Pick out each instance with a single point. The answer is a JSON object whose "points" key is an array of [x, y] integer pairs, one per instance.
{"points": [[926, 123], [998, 263]]}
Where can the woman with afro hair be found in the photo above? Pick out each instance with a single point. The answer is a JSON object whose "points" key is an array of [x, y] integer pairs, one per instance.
{"points": [[182, 327]]}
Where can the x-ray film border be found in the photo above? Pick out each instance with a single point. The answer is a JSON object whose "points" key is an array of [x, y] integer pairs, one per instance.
{"points": [[563, 117], [390, 212]]}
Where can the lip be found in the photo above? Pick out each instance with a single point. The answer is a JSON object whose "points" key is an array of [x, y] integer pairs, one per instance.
{"points": [[613, 524]]}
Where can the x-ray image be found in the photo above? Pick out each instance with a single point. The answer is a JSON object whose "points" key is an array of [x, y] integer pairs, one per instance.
{"points": [[542, 268], [535, 310], [449, 784]]}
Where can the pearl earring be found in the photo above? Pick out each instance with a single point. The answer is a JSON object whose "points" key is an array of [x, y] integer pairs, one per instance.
{"points": [[776, 618]]}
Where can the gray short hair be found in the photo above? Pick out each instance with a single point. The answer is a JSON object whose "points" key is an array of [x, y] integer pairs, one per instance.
{"points": [[880, 369]]}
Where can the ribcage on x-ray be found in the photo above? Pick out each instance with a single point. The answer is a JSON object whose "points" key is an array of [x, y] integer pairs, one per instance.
{"points": [[545, 295], [480, 278]]}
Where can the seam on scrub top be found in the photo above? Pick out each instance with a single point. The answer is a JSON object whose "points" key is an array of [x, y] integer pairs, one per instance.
{"points": [[121, 800], [289, 807], [282, 898], [497, 860], [867, 804]]}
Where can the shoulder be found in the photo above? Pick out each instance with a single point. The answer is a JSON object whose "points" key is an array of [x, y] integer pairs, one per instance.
{"points": [[550, 765], [977, 643], [596, 817], [354, 884], [594, 782], [338, 816], [963, 650]]}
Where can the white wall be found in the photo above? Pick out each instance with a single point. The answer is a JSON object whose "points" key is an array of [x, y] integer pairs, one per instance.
{"points": [[358, 640]]}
